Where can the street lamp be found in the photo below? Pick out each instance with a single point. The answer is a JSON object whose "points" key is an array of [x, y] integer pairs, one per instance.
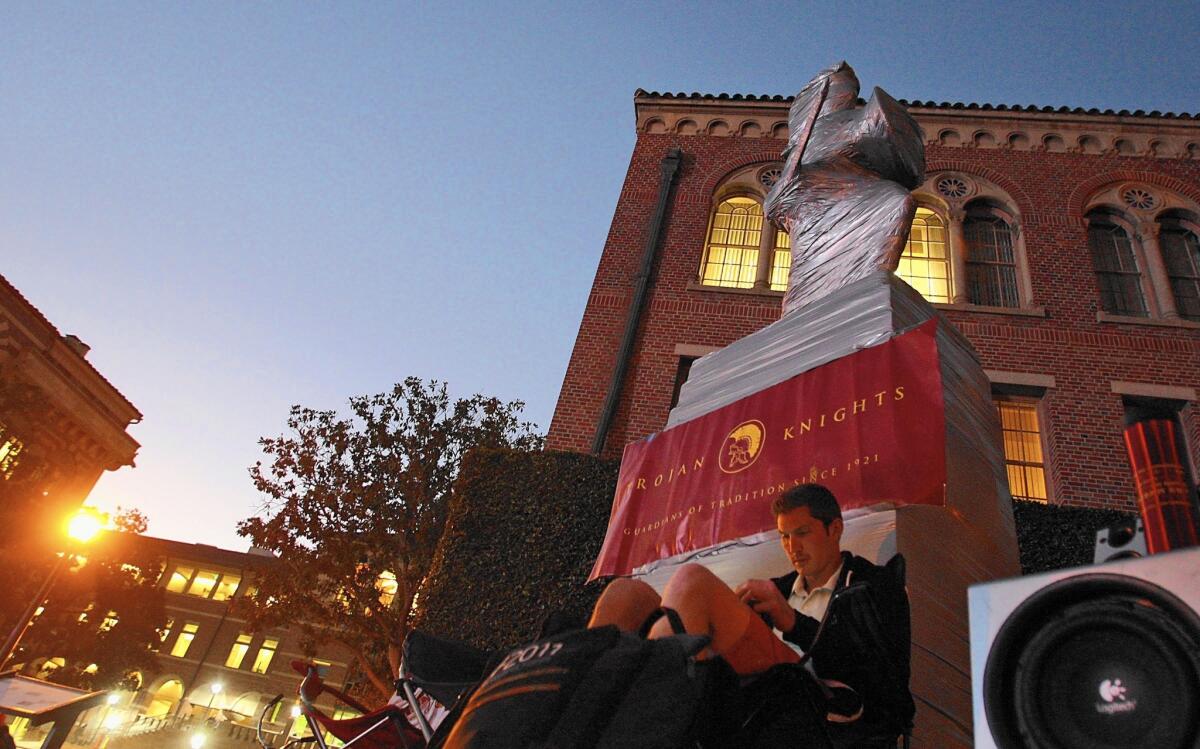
{"points": [[81, 528], [84, 525], [295, 718], [197, 740], [215, 688]]}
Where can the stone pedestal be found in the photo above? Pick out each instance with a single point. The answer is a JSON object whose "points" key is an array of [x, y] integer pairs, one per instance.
{"points": [[971, 539]]}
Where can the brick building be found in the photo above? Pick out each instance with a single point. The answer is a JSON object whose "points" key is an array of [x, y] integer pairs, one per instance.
{"points": [[1062, 242]]}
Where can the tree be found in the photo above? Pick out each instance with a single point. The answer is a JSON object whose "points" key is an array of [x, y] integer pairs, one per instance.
{"points": [[103, 614], [354, 508]]}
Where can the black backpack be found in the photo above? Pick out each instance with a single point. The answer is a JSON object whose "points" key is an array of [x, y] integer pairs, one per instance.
{"points": [[599, 688]]}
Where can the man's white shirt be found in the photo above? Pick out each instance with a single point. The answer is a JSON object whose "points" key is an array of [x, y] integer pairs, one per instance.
{"points": [[811, 603]]}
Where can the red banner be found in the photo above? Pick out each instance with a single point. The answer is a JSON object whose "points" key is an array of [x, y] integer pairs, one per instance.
{"points": [[870, 426], [1164, 492]]}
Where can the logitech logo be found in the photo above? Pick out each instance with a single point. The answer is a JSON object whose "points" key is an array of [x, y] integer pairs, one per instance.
{"points": [[1112, 689], [1113, 692]]}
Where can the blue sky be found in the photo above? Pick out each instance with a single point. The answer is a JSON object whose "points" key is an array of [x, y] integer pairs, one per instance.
{"points": [[242, 206]]}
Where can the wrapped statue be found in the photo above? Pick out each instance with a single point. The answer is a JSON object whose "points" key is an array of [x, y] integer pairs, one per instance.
{"points": [[844, 195]]}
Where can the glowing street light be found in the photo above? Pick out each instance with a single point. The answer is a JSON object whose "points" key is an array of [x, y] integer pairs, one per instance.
{"points": [[85, 524], [81, 528], [291, 731], [215, 688], [197, 740], [112, 699]]}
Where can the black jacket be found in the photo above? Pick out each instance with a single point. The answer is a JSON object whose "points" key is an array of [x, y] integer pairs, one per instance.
{"points": [[867, 638]]}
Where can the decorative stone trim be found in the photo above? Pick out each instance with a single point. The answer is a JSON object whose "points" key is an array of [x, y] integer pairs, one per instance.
{"points": [[985, 310], [1023, 379], [695, 285], [1174, 322], [1041, 130], [1148, 390], [693, 349]]}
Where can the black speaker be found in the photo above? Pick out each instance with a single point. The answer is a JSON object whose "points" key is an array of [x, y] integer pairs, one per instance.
{"points": [[1091, 657], [1126, 540]]}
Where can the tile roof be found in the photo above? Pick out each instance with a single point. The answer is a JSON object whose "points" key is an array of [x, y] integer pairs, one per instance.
{"points": [[1030, 108]]}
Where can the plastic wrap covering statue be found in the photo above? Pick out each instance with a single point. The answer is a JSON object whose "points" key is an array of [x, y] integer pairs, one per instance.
{"points": [[844, 195]]}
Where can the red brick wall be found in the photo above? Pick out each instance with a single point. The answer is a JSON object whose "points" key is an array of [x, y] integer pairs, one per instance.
{"points": [[1082, 418]]}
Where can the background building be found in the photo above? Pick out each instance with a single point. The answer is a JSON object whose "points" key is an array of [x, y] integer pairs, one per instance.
{"points": [[211, 671], [205, 643], [62, 424], [1062, 242]]}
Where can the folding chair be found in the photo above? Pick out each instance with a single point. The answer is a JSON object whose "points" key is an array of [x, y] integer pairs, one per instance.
{"points": [[385, 728]]}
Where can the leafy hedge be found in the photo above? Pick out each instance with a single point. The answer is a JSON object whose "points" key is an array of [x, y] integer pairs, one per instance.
{"points": [[522, 532], [1051, 537], [524, 528]]}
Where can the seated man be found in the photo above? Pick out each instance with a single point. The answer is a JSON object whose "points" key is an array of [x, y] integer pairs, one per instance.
{"points": [[865, 643]]}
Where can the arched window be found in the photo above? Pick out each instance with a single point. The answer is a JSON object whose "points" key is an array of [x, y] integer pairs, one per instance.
{"points": [[1181, 254], [781, 261], [991, 262], [1117, 272], [164, 699], [731, 259], [744, 250], [925, 263]]}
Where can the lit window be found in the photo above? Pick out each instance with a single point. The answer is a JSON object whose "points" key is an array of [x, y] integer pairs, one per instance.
{"points": [[238, 652], [227, 587], [1181, 255], [387, 586], [10, 448], [109, 622], [1023, 449], [925, 264], [163, 633], [990, 261], [340, 713], [781, 261], [733, 244], [50, 666], [179, 579], [262, 661], [1116, 267], [203, 584], [184, 641]]}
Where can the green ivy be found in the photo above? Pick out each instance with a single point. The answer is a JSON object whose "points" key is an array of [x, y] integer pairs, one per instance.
{"points": [[1052, 537], [522, 533]]}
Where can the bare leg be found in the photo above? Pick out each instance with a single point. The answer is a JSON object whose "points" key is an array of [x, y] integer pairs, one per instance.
{"points": [[708, 606], [625, 603]]}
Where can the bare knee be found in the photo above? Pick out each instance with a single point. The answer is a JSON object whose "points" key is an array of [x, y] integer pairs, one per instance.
{"points": [[689, 581], [625, 603]]}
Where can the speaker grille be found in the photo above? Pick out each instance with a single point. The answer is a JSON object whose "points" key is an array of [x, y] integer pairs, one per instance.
{"points": [[1096, 661]]}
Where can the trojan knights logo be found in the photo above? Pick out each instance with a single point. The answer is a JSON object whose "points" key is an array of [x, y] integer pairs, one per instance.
{"points": [[742, 446]]}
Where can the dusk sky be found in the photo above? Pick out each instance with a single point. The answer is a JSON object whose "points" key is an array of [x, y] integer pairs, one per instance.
{"points": [[244, 206]]}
